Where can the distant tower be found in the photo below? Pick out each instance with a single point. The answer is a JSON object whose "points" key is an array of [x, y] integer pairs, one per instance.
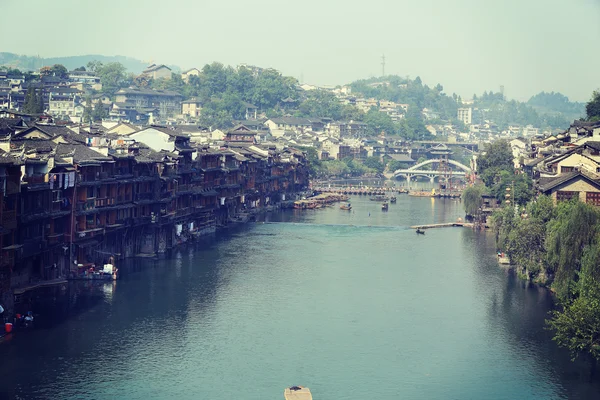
{"points": [[383, 65], [502, 90]]}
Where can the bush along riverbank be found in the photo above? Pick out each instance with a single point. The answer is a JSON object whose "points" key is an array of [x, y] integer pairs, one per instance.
{"points": [[559, 247], [553, 245]]}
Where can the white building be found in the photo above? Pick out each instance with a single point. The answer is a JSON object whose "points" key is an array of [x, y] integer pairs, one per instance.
{"points": [[465, 115]]}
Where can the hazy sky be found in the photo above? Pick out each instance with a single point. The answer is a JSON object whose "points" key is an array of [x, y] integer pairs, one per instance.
{"points": [[466, 45]]}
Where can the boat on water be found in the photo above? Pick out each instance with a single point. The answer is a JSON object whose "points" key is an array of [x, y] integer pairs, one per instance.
{"points": [[422, 193], [420, 232], [393, 199], [346, 207], [384, 206], [379, 198], [297, 393], [108, 272]]}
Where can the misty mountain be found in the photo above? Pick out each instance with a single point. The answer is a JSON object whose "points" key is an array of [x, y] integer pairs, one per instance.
{"points": [[33, 63]]}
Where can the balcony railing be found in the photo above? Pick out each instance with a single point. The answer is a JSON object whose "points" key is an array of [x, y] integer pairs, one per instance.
{"points": [[34, 179], [104, 202], [145, 196], [86, 205], [123, 198]]}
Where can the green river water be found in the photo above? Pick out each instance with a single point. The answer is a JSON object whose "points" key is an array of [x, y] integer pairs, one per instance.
{"points": [[354, 305]]}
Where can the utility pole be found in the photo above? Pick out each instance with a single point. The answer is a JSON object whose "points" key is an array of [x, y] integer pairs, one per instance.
{"points": [[383, 65]]}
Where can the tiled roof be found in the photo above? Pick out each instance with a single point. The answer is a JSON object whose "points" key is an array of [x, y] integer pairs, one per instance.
{"points": [[546, 184]]}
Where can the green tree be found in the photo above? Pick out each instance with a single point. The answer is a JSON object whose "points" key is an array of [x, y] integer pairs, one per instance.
{"points": [[574, 227], [99, 112], [34, 101], [472, 199], [112, 76], [592, 108], [87, 111], [577, 325], [497, 157], [94, 65], [378, 122], [396, 165], [374, 163]]}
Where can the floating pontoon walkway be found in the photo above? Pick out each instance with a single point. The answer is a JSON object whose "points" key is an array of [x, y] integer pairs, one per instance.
{"points": [[444, 225]]}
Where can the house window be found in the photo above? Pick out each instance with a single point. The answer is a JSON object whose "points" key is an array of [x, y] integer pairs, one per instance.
{"points": [[564, 195], [593, 198], [566, 169]]}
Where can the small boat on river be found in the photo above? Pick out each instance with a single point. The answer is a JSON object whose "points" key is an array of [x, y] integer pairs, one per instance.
{"points": [[297, 393], [378, 198], [346, 207], [108, 272], [384, 206], [420, 232], [393, 199]]}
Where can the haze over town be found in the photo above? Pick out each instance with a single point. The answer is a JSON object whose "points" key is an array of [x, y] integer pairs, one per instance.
{"points": [[467, 45]]}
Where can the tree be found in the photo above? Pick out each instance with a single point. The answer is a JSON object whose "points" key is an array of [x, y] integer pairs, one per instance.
{"points": [[59, 70], [592, 108], [396, 165], [34, 101], [99, 112], [577, 325], [520, 187], [112, 76], [472, 199], [87, 111], [94, 65], [374, 163], [82, 69], [143, 81], [378, 122], [497, 157], [574, 227]]}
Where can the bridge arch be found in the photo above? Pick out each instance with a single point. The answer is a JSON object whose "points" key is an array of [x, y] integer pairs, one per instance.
{"points": [[415, 168]]}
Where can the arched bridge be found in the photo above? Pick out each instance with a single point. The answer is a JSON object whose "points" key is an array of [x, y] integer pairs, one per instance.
{"points": [[416, 170]]}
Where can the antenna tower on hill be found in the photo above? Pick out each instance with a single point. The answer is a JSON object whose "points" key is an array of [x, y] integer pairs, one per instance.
{"points": [[383, 65]]}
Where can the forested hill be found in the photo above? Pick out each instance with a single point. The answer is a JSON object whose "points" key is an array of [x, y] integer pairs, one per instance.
{"points": [[407, 91], [544, 110], [554, 102], [33, 63]]}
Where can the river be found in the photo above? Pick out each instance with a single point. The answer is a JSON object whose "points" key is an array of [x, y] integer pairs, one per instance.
{"points": [[354, 305]]}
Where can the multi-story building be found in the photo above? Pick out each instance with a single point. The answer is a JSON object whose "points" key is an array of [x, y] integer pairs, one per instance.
{"points": [[65, 102], [167, 102], [465, 115], [85, 80]]}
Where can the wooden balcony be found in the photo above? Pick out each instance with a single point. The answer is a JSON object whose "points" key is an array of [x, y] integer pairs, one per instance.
{"points": [[87, 205], [105, 202], [56, 238]]}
